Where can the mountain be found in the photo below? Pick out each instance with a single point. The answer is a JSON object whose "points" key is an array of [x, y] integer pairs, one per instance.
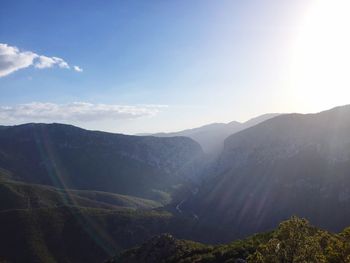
{"points": [[294, 240], [69, 157], [72, 195], [292, 164], [211, 137]]}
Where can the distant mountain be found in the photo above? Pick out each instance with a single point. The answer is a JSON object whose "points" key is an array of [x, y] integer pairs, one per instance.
{"points": [[211, 137], [69, 157], [293, 164]]}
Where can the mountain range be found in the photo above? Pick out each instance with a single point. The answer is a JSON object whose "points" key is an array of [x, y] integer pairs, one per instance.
{"points": [[74, 195], [211, 137]]}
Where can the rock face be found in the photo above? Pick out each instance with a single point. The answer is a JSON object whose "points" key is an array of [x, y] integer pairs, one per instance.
{"points": [[67, 156], [293, 164]]}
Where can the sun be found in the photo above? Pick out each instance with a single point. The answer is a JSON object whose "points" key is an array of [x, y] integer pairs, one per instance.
{"points": [[320, 68]]}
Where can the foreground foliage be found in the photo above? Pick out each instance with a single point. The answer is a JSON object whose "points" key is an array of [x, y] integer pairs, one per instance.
{"points": [[294, 241], [297, 241]]}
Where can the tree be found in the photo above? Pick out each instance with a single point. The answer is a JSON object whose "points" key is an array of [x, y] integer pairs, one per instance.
{"points": [[295, 241]]}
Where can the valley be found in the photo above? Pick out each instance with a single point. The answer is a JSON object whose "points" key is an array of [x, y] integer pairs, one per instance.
{"points": [[73, 195], [174, 131]]}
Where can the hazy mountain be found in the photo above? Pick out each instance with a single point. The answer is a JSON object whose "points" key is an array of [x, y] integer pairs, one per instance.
{"points": [[211, 137], [67, 156], [291, 164]]}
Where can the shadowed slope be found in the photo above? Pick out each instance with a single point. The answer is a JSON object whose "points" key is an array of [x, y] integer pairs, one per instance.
{"points": [[291, 164], [69, 157]]}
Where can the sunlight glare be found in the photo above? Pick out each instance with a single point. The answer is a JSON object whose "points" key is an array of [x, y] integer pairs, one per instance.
{"points": [[321, 59]]}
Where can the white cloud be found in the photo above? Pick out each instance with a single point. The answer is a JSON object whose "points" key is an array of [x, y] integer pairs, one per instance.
{"points": [[12, 59], [77, 111], [78, 69], [48, 62]]}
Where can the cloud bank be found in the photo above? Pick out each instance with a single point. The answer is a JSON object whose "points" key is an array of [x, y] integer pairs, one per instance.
{"points": [[12, 59], [77, 111]]}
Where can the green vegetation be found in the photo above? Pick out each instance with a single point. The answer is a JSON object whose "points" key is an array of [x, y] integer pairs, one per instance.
{"points": [[297, 241], [294, 241], [46, 224], [76, 234]]}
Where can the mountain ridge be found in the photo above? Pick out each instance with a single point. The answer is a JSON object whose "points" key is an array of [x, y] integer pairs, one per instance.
{"points": [[211, 136], [266, 172], [68, 156]]}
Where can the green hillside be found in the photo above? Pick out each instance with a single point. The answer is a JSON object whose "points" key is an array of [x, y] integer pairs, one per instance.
{"points": [[19, 195], [47, 224]]}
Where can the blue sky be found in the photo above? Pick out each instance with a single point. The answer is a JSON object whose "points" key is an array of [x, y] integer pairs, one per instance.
{"points": [[151, 66]]}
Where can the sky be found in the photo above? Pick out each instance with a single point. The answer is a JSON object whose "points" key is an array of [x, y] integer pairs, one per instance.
{"points": [[155, 66]]}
